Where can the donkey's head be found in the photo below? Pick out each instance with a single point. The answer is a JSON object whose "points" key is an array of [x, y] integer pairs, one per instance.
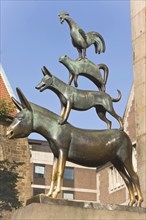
{"points": [[46, 81], [22, 123]]}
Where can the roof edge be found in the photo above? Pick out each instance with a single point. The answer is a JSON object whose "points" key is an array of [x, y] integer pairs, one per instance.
{"points": [[6, 81]]}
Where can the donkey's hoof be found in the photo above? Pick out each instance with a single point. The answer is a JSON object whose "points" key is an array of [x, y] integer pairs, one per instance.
{"points": [[61, 121], [132, 203], [54, 195], [121, 129], [49, 195]]}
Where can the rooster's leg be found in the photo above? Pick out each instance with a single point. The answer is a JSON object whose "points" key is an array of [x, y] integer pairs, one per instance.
{"points": [[80, 54], [84, 53]]}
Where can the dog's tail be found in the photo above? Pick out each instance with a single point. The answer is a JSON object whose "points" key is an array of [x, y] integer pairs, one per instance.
{"points": [[118, 98]]}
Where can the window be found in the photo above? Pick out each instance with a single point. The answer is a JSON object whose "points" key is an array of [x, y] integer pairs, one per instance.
{"points": [[39, 171], [115, 180], [69, 173], [37, 191], [68, 195]]}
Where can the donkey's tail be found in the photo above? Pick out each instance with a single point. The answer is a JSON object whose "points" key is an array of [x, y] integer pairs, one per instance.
{"points": [[118, 98], [106, 71]]}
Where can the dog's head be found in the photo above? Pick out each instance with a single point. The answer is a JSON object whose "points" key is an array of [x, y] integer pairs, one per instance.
{"points": [[46, 81]]}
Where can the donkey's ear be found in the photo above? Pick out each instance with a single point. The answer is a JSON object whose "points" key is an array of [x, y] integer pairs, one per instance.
{"points": [[24, 101], [46, 71], [17, 104]]}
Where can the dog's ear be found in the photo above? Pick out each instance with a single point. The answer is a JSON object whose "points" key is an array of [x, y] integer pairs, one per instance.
{"points": [[45, 71]]}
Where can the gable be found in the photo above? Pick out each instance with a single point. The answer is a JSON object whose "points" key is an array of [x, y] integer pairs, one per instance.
{"points": [[129, 116], [6, 91]]}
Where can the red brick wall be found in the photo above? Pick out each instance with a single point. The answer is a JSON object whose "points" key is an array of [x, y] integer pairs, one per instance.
{"points": [[85, 178], [116, 197], [131, 122], [17, 150], [4, 94]]}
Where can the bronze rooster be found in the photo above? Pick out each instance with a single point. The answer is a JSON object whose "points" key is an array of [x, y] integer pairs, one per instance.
{"points": [[82, 40]]}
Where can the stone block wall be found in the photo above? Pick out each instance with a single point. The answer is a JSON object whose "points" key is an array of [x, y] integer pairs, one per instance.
{"points": [[138, 21], [17, 150]]}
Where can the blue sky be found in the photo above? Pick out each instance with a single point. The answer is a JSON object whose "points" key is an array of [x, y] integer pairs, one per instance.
{"points": [[32, 36]]}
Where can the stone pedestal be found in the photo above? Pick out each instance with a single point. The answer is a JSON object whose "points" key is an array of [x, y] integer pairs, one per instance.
{"points": [[43, 208]]}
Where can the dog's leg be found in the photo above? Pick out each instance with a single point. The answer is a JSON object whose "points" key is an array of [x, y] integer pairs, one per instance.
{"points": [[101, 113], [66, 114], [119, 119]]}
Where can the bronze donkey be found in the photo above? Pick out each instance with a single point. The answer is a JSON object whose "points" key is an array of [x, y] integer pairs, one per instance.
{"points": [[93, 148], [72, 98], [85, 68]]}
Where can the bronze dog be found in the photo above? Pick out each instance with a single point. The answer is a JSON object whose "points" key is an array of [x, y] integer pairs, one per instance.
{"points": [[72, 98]]}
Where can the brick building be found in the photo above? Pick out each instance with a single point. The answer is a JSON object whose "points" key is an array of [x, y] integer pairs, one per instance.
{"points": [[138, 24], [14, 150], [79, 182]]}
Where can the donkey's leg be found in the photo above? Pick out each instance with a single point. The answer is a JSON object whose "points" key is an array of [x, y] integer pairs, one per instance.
{"points": [[101, 113], [60, 172], [128, 181], [129, 167], [54, 176]]}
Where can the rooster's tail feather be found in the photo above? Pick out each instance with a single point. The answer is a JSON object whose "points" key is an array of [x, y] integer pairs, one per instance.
{"points": [[98, 41]]}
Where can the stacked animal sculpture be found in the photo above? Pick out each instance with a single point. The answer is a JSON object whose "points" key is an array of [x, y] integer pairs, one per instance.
{"points": [[93, 148]]}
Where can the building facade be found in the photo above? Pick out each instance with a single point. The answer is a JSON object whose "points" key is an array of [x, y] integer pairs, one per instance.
{"points": [[79, 182], [138, 22], [14, 150]]}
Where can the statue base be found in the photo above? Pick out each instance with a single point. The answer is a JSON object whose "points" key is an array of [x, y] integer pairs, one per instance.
{"points": [[41, 207]]}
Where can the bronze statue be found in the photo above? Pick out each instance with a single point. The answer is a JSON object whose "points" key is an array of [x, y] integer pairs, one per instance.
{"points": [[93, 148], [85, 68], [72, 98], [82, 40]]}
